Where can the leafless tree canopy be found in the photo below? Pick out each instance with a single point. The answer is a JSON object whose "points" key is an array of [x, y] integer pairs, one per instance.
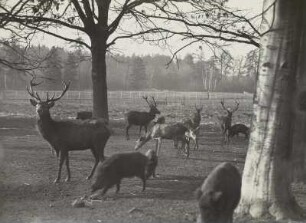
{"points": [[155, 21]]}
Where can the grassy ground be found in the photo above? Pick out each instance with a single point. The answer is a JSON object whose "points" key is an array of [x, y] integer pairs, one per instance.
{"points": [[28, 169]]}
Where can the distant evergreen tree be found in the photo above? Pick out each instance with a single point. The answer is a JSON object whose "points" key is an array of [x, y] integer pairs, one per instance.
{"points": [[71, 69], [188, 59], [14, 54], [138, 76], [53, 71]]}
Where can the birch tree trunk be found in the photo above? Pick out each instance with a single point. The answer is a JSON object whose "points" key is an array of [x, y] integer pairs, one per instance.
{"points": [[267, 172]]}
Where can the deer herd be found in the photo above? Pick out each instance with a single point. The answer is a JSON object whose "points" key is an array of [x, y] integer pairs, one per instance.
{"points": [[91, 133]]}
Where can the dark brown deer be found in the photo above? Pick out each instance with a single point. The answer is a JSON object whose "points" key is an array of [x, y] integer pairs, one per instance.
{"points": [[141, 118], [177, 132], [83, 115], [226, 121], [236, 129], [194, 123], [69, 135]]}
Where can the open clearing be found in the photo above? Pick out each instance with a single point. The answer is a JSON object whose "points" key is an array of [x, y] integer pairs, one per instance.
{"points": [[28, 170]]}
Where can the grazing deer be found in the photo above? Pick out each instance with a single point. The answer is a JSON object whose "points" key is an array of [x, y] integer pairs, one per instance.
{"points": [[176, 132], [194, 123], [65, 136], [236, 129], [141, 118], [226, 121]]}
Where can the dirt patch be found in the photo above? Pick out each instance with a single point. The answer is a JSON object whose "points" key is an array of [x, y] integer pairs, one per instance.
{"points": [[28, 170]]}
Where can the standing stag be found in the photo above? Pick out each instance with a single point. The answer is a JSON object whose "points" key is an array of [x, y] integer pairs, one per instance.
{"points": [[226, 121], [194, 123], [176, 132], [65, 136], [141, 118]]}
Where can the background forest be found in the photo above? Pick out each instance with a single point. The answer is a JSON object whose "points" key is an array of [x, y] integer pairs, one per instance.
{"points": [[222, 73]]}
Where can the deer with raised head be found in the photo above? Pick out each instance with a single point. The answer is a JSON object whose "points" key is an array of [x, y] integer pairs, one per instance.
{"points": [[141, 118], [194, 123], [177, 132], [68, 135], [226, 121]]}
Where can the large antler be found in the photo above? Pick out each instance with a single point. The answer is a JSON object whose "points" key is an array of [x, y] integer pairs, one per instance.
{"points": [[65, 88], [154, 101], [222, 103], [30, 90], [146, 98]]}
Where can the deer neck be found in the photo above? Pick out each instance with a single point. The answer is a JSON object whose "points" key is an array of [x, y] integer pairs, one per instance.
{"points": [[152, 114], [196, 118], [45, 124]]}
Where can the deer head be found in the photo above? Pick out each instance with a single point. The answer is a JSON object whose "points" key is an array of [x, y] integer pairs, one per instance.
{"points": [[152, 105], [229, 110], [43, 106], [198, 109]]}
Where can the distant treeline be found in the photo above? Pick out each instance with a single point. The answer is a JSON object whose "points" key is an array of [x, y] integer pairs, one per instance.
{"points": [[129, 72]]}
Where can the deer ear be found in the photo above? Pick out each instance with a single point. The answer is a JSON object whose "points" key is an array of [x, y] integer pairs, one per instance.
{"points": [[51, 104], [33, 102]]}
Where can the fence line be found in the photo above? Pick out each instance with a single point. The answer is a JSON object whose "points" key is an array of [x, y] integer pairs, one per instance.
{"points": [[174, 105], [158, 95]]}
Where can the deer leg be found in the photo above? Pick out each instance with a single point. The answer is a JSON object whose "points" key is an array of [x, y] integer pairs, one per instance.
{"points": [[67, 166], [127, 131], [175, 144], [197, 138], [140, 127], [146, 129], [187, 147], [158, 145], [227, 137], [143, 178], [95, 165], [118, 187], [196, 146], [246, 135], [62, 159]]}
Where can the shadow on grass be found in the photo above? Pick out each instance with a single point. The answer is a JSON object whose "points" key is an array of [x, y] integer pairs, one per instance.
{"points": [[167, 187]]}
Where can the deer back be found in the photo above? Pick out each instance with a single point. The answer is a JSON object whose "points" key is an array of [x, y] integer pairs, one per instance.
{"points": [[169, 131], [139, 118]]}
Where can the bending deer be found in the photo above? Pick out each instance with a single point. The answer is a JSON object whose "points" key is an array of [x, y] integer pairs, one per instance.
{"points": [[65, 136], [226, 121], [141, 118], [176, 132], [194, 123]]}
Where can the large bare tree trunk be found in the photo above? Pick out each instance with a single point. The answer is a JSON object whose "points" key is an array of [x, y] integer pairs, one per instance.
{"points": [[267, 172], [99, 83]]}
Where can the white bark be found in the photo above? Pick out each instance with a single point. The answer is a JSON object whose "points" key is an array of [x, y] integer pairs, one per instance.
{"points": [[266, 177]]}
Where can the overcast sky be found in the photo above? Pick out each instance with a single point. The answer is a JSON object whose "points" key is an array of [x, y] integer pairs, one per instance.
{"points": [[130, 47]]}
